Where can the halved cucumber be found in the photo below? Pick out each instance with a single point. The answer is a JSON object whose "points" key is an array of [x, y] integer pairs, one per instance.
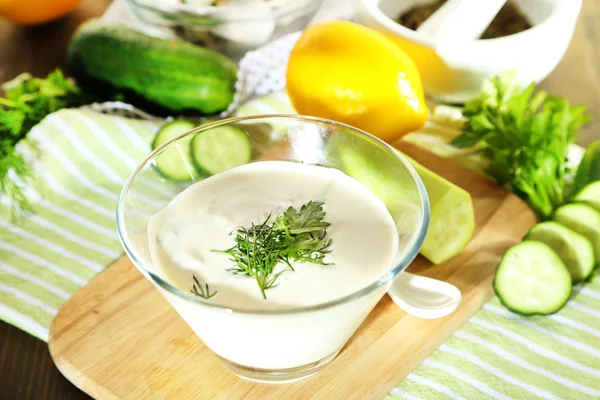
{"points": [[175, 162], [221, 148], [590, 194], [584, 220], [452, 219], [575, 250], [532, 279]]}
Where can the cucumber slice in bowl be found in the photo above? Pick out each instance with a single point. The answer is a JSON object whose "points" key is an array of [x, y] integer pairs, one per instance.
{"points": [[220, 148], [590, 194], [575, 250], [584, 220], [532, 279], [175, 162]]}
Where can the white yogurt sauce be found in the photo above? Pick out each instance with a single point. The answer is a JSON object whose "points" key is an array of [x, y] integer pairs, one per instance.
{"points": [[200, 219]]}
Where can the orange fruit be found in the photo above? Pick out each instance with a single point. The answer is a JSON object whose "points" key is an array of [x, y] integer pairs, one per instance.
{"points": [[349, 73], [31, 12]]}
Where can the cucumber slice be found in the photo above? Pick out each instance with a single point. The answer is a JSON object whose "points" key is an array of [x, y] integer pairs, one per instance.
{"points": [[221, 148], [175, 162], [590, 194], [584, 220], [575, 250], [452, 219], [532, 279]]}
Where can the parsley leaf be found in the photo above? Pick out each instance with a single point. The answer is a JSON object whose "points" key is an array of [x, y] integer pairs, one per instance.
{"points": [[309, 219], [525, 138]]}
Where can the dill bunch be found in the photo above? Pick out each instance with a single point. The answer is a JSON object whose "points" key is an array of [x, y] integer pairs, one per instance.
{"points": [[294, 236]]}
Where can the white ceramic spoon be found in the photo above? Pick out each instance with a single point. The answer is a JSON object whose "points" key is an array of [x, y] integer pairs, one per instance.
{"points": [[424, 297]]}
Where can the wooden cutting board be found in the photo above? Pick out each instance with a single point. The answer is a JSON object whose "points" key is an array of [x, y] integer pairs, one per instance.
{"points": [[117, 338]]}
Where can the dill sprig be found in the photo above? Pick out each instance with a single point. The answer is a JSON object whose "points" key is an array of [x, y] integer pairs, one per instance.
{"points": [[200, 291], [294, 236], [28, 100]]}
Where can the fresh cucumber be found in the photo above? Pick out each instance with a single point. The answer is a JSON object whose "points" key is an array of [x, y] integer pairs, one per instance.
{"points": [[221, 148], [175, 162], [582, 219], [575, 250], [532, 279], [159, 75], [590, 194]]}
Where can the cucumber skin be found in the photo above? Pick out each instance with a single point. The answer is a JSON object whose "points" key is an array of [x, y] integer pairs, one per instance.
{"points": [[588, 276], [513, 310], [552, 218], [589, 168], [157, 74]]}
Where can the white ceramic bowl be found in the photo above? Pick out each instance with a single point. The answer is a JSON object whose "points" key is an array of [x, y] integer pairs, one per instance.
{"points": [[455, 74]]}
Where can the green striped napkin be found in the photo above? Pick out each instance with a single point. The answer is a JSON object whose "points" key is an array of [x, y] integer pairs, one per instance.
{"points": [[83, 158]]}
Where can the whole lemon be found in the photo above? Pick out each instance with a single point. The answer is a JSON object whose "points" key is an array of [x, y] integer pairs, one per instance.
{"points": [[349, 73]]}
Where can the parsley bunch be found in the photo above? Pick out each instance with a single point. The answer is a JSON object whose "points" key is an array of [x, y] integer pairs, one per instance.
{"points": [[28, 100], [296, 235], [524, 136]]}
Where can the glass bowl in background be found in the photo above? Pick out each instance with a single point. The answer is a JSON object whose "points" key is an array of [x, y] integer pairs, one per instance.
{"points": [[234, 28], [302, 340]]}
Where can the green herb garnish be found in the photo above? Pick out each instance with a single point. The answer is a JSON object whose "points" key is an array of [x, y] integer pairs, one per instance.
{"points": [[524, 136], [297, 235], [200, 291], [28, 100]]}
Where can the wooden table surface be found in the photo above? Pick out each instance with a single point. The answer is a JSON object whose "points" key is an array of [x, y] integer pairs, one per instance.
{"points": [[26, 369]]}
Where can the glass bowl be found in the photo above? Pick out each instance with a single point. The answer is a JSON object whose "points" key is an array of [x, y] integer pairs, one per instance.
{"points": [[234, 28], [302, 339]]}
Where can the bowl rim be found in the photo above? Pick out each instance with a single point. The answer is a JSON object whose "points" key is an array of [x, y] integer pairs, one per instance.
{"points": [[561, 10], [391, 274]]}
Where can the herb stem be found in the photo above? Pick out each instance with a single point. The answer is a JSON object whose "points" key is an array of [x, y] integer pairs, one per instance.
{"points": [[7, 103], [200, 291]]}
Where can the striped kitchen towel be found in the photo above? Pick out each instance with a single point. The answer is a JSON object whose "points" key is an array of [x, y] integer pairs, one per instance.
{"points": [[80, 159]]}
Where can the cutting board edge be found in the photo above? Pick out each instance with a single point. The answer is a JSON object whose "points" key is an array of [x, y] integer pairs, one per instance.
{"points": [[59, 324]]}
